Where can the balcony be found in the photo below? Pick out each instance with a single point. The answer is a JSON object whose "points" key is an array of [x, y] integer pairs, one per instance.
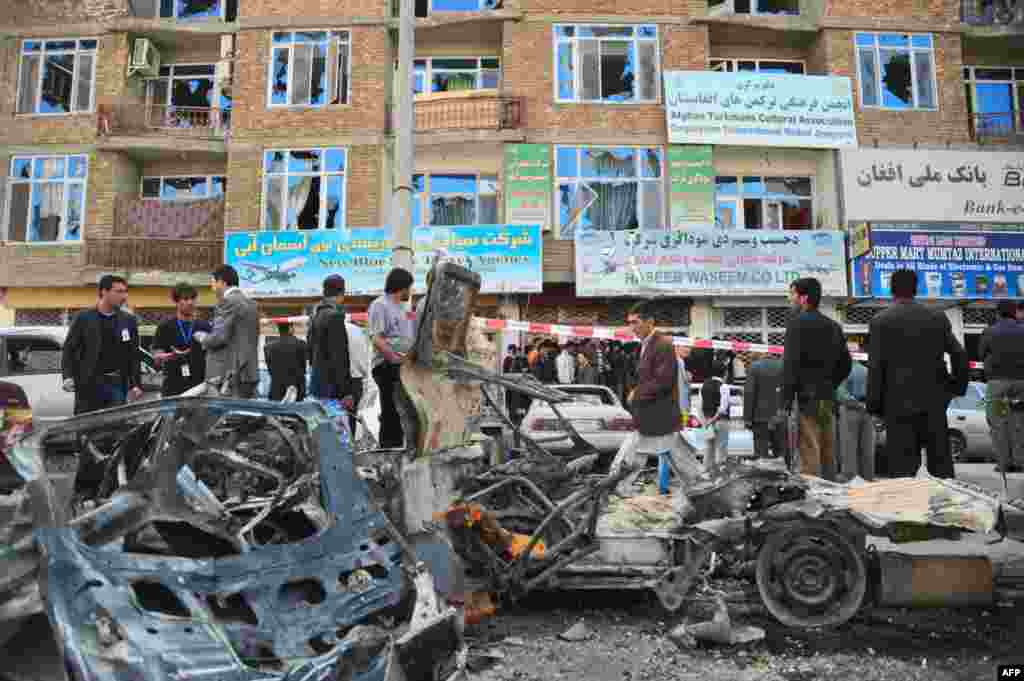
{"points": [[169, 120], [1005, 127], [994, 13], [471, 110], [164, 236]]}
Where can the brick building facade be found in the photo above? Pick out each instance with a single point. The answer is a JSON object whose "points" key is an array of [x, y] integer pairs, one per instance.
{"points": [[91, 117]]}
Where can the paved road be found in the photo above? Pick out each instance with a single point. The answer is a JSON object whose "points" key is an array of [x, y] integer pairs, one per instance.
{"points": [[32, 654]]}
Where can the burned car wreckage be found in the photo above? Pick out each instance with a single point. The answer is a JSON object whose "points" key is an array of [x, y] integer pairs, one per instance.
{"points": [[238, 539]]}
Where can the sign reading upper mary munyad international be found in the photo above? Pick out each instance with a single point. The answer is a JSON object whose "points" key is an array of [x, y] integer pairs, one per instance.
{"points": [[759, 109]]}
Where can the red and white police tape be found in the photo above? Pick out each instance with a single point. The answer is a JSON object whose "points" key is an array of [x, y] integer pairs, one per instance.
{"points": [[619, 333]]}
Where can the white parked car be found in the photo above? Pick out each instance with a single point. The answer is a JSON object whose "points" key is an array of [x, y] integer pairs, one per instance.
{"points": [[30, 357], [595, 412], [969, 434]]}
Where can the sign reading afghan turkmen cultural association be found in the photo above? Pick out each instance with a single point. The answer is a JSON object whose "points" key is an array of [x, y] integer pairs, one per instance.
{"points": [[759, 109], [691, 177], [706, 262]]}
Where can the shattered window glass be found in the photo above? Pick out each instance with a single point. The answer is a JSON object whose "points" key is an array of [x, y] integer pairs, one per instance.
{"points": [[609, 188], [614, 63], [304, 189], [308, 68], [56, 77], [897, 71]]}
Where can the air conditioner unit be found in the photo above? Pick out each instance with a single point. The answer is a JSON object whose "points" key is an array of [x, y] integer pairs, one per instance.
{"points": [[145, 59], [227, 47]]}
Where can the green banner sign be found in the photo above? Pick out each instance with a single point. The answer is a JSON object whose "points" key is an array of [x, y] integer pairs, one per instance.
{"points": [[528, 184], [691, 186]]}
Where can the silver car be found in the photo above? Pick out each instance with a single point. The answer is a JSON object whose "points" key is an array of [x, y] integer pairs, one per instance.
{"points": [[30, 357]]}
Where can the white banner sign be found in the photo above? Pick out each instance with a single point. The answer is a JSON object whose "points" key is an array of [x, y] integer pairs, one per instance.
{"points": [[893, 185], [759, 109]]}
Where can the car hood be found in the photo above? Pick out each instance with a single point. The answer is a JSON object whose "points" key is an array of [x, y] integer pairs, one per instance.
{"points": [[579, 411]]}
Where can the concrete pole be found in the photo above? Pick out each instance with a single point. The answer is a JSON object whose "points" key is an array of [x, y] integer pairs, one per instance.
{"points": [[405, 151]]}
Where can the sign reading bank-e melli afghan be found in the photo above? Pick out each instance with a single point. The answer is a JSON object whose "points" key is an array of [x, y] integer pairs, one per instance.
{"points": [[706, 262], [293, 264]]}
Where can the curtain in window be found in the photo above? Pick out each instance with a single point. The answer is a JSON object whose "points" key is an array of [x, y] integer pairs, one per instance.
{"points": [[615, 206], [29, 85], [48, 206], [452, 210], [298, 194]]}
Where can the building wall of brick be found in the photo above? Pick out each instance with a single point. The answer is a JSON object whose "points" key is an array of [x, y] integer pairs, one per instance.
{"points": [[19, 13], [286, 9], [111, 174], [253, 120], [591, 8], [938, 11], [191, 165], [947, 124], [529, 74]]}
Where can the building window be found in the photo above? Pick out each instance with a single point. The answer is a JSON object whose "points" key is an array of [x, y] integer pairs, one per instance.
{"points": [[183, 188], [995, 99], [609, 188], [455, 74], [606, 63], [896, 70], [763, 202], [192, 10], [448, 200], [719, 7], [757, 66], [47, 198], [304, 188], [56, 76], [425, 7], [309, 68], [183, 97]]}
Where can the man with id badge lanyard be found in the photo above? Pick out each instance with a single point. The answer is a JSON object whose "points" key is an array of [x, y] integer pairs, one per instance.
{"points": [[183, 361], [100, 361]]}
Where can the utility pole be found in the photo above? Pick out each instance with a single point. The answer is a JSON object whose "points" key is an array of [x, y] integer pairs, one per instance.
{"points": [[405, 151]]}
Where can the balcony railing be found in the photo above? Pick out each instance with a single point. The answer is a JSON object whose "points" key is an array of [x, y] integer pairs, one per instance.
{"points": [[1004, 126], [167, 236], [993, 12], [163, 119], [474, 111]]}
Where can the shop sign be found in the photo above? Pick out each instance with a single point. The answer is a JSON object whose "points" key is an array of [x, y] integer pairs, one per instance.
{"points": [[528, 184], [860, 239], [948, 264], [691, 186], [706, 262], [886, 185], [286, 264], [759, 109]]}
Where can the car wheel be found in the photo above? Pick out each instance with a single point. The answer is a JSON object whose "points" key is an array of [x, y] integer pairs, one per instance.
{"points": [[957, 447]]}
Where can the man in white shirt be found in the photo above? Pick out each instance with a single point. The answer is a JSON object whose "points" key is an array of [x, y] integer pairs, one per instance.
{"points": [[566, 366], [715, 417]]}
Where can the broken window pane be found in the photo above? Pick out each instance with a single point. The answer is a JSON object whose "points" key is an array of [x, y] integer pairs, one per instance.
{"points": [[335, 206], [279, 83], [58, 81], [790, 7], [183, 188], [304, 202], [198, 9], [341, 83], [76, 209], [302, 73], [618, 70], [318, 87], [566, 84], [615, 206], [274, 218], [896, 79], [609, 162], [923, 77], [28, 86], [868, 77]]}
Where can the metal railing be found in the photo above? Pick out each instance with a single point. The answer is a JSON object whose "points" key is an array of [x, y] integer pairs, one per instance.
{"points": [[992, 12], [473, 113], [174, 120], [167, 255], [998, 126]]}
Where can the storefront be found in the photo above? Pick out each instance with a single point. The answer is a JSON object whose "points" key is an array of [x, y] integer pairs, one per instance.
{"points": [[954, 217]]}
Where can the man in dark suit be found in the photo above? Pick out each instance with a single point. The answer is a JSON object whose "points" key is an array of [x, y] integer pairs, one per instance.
{"points": [[286, 362], [654, 401], [330, 349], [232, 348], [761, 406], [100, 358], [908, 383], [815, 362]]}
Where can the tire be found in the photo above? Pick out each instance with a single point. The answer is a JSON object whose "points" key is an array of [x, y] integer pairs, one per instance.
{"points": [[957, 447], [809, 574]]}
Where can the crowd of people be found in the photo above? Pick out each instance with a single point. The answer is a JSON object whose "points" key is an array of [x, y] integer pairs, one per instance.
{"points": [[916, 366]]}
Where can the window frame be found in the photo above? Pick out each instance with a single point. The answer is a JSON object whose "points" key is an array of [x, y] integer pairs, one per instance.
{"points": [[659, 181], [332, 36], [161, 178], [428, 72], [172, 77], [426, 204], [576, 71], [42, 52], [913, 51], [765, 196], [1016, 83], [174, 3], [323, 174], [734, 63], [12, 181]]}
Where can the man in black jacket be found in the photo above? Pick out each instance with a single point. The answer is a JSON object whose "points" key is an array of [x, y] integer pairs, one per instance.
{"points": [[174, 350], [1002, 349], [908, 383], [286, 361], [761, 407], [815, 362], [100, 359], [329, 349]]}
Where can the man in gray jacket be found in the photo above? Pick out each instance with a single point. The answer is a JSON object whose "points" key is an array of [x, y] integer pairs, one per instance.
{"points": [[232, 348], [761, 407]]}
